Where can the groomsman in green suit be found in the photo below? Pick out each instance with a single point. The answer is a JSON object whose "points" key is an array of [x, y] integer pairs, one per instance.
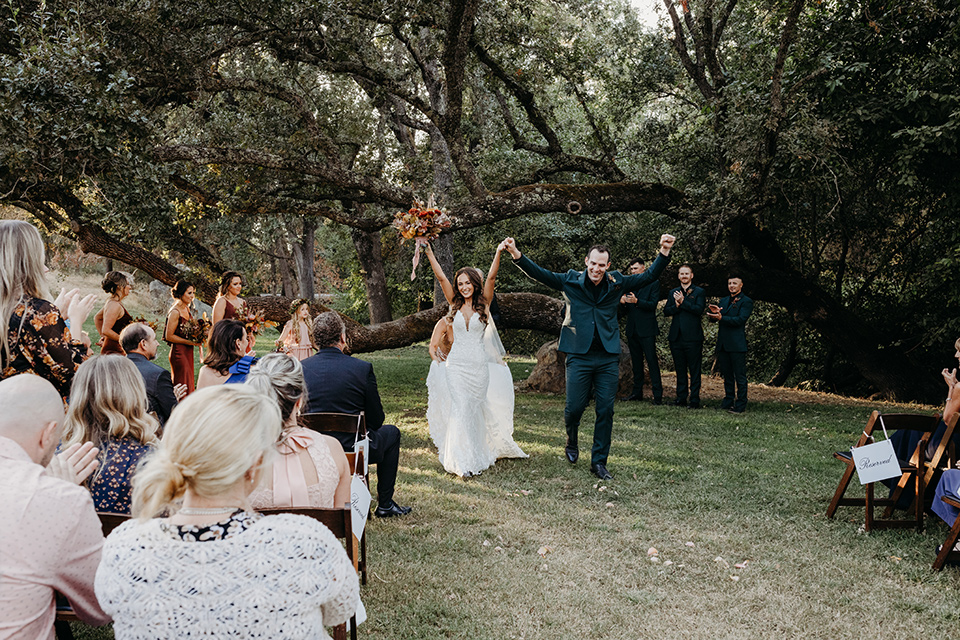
{"points": [[732, 314], [686, 305], [640, 307], [590, 336]]}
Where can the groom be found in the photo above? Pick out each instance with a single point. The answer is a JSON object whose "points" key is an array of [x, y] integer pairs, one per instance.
{"points": [[590, 337]]}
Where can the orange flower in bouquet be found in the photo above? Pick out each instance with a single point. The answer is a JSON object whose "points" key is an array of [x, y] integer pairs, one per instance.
{"points": [[253, 321], [422, 223], [195, 329]]}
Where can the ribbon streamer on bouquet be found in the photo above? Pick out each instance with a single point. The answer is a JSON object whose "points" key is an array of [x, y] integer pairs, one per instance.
{"points": [[421, 242]]}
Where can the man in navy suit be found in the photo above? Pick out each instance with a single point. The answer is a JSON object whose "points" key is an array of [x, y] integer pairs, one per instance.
{"points": [[339, 383], [140, 343], [640, 307], [732, 314], [590, 336], [686, 304]]}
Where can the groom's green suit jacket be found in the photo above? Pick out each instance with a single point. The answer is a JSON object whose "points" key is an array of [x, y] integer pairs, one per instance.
{"points": [[586, 314]]}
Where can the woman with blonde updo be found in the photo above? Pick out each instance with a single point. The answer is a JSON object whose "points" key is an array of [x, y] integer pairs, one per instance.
{"points": [[37, 336], [312, 470], [196, 560], [108, 407], [114, 316]]}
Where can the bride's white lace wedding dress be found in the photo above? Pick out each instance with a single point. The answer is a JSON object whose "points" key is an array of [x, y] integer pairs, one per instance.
{"points": [[470, 402]]}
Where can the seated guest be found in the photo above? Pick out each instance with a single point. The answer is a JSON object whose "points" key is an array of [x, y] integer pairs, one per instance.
{"points": [[340, 384], [949, 485], [37, 336], [226, 362], [108, 407], [140, 344], [905, 442], [196, 561], [51, 537], [312, 470]]}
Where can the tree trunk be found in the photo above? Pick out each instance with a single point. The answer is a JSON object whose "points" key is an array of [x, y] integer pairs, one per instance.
{"points": [[304, 258], [283, 265], [374, 277]]}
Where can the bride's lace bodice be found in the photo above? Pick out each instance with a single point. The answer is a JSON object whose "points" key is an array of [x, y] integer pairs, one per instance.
{"points": [[467, 339]]}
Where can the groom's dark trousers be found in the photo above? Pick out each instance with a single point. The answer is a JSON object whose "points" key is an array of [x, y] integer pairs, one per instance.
{"points": [[590, 336]]}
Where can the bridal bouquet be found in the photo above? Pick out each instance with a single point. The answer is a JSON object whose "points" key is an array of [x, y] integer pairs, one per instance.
{"points": [[253, 321], [422, 223], [195, 329]]}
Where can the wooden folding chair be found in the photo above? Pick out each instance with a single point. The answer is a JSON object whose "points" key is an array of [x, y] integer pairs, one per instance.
{"points": [[355, 425], [942, 457], [947, 550], [65, 612], [340, 523], [915, 468]]}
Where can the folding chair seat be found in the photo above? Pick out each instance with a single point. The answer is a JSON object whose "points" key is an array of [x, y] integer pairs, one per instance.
{"points": [[340, 523], [917, 468], [355, 425]]}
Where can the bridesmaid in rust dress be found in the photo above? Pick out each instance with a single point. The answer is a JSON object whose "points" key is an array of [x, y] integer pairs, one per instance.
{"points": [[114, 317], [228, 300], [181, 349]]}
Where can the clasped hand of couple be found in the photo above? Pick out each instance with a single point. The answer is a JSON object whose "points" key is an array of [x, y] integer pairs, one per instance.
{"points": [[510, 245]]}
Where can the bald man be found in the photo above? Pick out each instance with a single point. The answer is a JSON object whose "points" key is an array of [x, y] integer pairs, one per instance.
{"points": [[51, 534]]}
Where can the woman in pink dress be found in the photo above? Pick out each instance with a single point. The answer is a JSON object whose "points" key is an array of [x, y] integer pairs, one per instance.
{"points": [[312, 469], [297, 338]]}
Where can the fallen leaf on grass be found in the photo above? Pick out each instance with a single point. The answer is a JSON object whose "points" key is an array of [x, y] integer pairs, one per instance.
{"points": [[543, 551], [498, 548], [720, 560], [690, 544], [742, 565], [667, 563], [735, 578], [486, 543], [654, 559], [609, 505], [895, 558], [652, 551], [525, 492]]}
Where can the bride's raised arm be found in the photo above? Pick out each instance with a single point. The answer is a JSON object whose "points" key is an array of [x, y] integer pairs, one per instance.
{"points": [[490, 285], [438, 271]]}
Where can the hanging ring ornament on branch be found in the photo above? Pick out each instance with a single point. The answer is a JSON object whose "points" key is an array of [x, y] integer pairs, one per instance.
{"points": [[574, 207]]}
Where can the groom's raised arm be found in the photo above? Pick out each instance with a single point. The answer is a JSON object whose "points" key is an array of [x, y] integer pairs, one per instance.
{"points": [[532, 269], [656, 269]]}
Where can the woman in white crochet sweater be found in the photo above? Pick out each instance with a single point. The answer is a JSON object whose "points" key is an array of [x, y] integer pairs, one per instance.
{"points": [[213, 568]]}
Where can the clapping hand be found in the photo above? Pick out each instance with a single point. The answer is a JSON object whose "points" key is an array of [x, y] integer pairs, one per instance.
{"points": [[678, 297], [180, 391], [75, 463], [950, 377], [713, 312], [629, 298]]}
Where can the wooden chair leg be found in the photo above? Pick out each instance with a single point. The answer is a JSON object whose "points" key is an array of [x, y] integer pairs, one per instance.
{"points": [[918, 500], [868, 522], [340, 631], [363, 558], [62, 630], [948, 545], [841, 489]]}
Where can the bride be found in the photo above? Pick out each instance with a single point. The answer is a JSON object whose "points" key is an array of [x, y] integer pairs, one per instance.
{"points": [[470, 394]]}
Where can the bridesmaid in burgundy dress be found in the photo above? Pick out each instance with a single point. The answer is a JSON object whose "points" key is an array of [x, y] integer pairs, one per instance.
{"points": [[181, 349], [114, 317], [228, 302]]}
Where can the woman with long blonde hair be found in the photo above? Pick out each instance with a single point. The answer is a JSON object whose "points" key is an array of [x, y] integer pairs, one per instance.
{"points": [[196, 560], [34, 338], [108, 407], [312, 470]]}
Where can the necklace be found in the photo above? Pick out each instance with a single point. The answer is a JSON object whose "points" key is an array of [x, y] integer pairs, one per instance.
{"points": [[212, 511]]}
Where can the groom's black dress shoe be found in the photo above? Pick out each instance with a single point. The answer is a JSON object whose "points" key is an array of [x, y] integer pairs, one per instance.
{"points": [[601, 472], [573, 454], [390, 510]]}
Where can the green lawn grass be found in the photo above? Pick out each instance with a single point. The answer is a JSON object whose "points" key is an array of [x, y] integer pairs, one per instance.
{"points": [[538, 548]]}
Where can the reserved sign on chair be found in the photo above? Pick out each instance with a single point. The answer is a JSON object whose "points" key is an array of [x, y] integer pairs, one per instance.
{"points": [[876, 462]]}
